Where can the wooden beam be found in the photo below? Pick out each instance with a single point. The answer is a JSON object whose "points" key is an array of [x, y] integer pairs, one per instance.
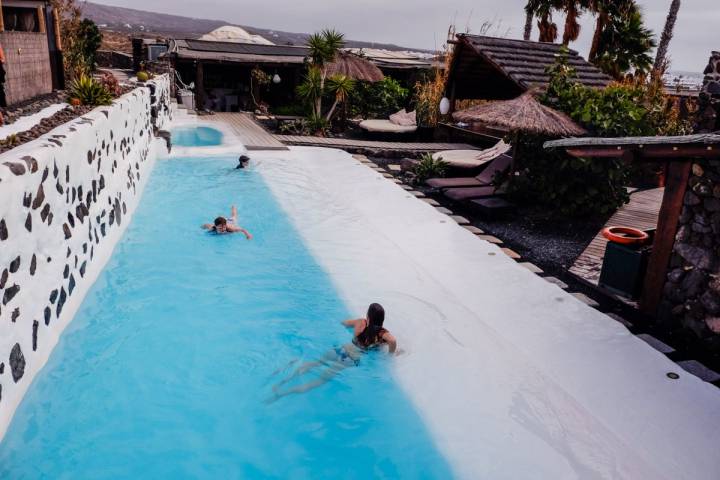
{"points": [[199, 100], [672, 203], [589, 152], [2, 19], [41, 19], [56, 27]]}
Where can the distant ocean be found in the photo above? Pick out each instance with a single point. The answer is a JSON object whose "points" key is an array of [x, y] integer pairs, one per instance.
{"points": [[688, 80]]}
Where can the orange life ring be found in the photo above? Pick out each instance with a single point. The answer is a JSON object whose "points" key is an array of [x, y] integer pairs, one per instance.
{"points": [[625, 235]]}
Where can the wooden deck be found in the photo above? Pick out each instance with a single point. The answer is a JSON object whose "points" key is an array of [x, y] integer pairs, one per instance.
{"points": [[642, 212], [346, 143], [251, 133]]}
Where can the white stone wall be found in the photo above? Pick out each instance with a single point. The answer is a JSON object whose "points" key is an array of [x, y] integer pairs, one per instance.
{"points": [[65, 200]]}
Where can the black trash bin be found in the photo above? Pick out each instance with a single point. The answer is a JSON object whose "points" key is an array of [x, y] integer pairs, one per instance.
{"points": [[624, 266]]}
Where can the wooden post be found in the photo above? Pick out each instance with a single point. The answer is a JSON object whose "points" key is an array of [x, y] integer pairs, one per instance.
{"points": [[41, 19], [2, 19], [56, 27], [199, 100], [675, 186]]}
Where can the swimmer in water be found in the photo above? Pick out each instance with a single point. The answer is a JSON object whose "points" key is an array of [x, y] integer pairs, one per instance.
{"points": [[368, 333], [223, 225], [243, 162]]}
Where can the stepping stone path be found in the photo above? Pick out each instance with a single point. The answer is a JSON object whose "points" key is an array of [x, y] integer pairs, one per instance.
{"points": [[511, 253], [473, 229], [460, 220], [491, 239], [417, 194], [394, 168], [620, 319], [700, 370], [656, 344], [532, 267], [585, 299], [407, 187], [430, 201], [557, 282], [444, 210]]}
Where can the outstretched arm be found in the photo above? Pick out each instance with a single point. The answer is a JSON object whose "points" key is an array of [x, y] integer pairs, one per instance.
{"points": [[233, 214], [351, 323], [207, 226], [391, 342]]}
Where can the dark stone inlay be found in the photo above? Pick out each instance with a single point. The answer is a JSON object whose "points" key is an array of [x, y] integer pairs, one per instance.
{"points": [[45, 212], [82, 268], [59, 188], [47, 313], [16, 168], [2, 368], [50, 218], [17, 363], [15, 264], [31, 163], [66, 271], [3, 230], [28, 222], [4, 278], [15, 314], [27, 200], [39, 198], [102, 229], [35, 329], [55, 170], [61, 302], [53, 295], [33, 264], [71, 284], [45, 174], [67, 174], [66, 229], [10, 292]]}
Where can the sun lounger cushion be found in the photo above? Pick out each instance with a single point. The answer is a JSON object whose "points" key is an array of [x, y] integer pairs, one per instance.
{"points": [[472, 158], [403, 118], [385, 126], [498, 165], [460, 194]]}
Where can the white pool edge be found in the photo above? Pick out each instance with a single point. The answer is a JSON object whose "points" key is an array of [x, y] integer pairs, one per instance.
{"points": [[636, 416]]}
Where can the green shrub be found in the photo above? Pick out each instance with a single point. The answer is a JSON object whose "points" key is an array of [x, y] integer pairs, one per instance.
{"points": [[379, 99], [429, 168], [570, 186], [143, 76], [89, 91], [317, 125]]}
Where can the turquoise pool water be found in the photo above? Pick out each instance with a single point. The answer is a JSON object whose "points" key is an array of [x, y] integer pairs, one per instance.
{"points": [[165, 370], [196, 137]]}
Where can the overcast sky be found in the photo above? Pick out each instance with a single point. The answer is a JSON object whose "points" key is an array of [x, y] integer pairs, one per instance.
{"points": [[424, 23]]}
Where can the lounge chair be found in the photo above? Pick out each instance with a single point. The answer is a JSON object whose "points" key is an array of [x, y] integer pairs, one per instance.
{"points": [[499, 165], [469, 193], [385, 126], [399, 122], [471, 158]]}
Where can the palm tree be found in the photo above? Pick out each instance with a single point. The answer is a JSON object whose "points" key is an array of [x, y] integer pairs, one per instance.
{"points": [[667, 34], [573, 9], [341, 86], [529, 14], [323, 47], [542, 9], [625, 43]]}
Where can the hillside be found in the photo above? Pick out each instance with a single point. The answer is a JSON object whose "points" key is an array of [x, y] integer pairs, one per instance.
{"points": [[130, 21]]}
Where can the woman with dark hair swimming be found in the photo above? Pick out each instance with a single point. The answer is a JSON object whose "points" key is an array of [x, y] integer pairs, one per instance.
{"points": [[368, 333]]}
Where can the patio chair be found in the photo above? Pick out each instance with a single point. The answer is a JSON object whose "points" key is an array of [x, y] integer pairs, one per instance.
{"points": [[400, 122], [469, 193], [469, 159], [500, 164]]}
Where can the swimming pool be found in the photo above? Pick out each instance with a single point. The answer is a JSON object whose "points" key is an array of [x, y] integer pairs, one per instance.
{"points": [[166, 368], [196, 136]]}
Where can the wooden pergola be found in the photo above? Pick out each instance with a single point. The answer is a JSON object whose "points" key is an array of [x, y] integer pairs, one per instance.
{"points": [[678, 154]]}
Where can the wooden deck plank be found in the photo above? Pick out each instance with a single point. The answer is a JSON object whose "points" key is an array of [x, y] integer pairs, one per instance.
{"points": [[351, 143], [251, 134], [642, 212]]}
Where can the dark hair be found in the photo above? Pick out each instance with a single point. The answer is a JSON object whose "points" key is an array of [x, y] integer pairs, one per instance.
{"points": [[220, 221], [375, 319]]}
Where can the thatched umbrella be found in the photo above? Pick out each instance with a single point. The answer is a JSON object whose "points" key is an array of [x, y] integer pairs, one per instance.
{"points": [[355, 67], [521, 114]]}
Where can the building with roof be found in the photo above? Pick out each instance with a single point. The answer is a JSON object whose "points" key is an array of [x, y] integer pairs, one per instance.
{"points": [[500, 68], [30, 39], [221, 72], [402, 65]]}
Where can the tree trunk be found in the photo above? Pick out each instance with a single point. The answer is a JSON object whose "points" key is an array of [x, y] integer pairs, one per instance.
{"points": [[666, 37], [599, 27], [528, 25], [572, 28]]}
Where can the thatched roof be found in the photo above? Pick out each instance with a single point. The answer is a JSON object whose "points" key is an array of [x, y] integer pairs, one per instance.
{"points": [[523, 113], [501, 68], [355, 67]]}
